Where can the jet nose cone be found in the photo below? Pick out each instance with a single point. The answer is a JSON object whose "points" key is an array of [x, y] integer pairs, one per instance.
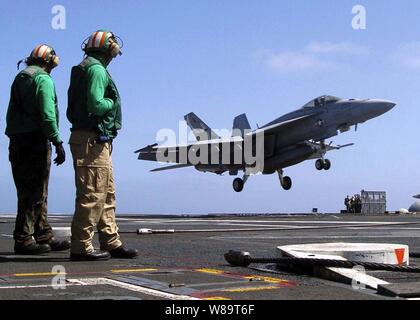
{"points": [[379, 107], [364, 110], [387, 105]]}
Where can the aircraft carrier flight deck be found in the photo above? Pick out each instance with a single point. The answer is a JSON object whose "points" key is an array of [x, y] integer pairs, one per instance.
{"points": [[187, 261]]}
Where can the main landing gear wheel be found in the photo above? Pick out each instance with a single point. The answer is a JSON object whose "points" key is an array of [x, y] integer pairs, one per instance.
{"points": [[327, 164], [238, 185], [319, 165], [323, 164], [287, 183]]}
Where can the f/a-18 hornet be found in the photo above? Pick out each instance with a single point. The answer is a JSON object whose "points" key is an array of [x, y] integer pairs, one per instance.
{"points": [[289, 140]]}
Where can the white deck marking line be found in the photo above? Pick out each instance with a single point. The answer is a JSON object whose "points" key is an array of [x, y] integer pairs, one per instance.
{"points": [[114, 283], [140, 289], [383, 228], [27, 287], [393, 228], [223, 238], [209, 221], [291, 228], [259, 225], [38, 286]]}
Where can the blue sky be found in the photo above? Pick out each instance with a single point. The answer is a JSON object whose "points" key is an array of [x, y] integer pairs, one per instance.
{"points": [[220, 59]]}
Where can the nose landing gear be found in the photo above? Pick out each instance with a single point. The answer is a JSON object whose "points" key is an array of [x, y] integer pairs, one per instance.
{"points": [[286, 182], [239, 184]]}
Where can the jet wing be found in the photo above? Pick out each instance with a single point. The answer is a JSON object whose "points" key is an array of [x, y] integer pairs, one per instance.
{"points": [[285, 125], [155, 152], [178, 166], [177, 153]]}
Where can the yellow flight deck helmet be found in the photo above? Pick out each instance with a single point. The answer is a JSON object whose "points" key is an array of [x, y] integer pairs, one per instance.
{"points": [[103, 41], [43, 53]]}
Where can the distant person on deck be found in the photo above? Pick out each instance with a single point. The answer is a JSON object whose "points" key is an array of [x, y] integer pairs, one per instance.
{"points": [[347, 204]]}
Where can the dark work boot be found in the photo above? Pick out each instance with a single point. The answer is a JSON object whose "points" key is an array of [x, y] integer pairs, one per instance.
{"points": [[92, 256], [57, 245], [123, 253], [31, 249]]}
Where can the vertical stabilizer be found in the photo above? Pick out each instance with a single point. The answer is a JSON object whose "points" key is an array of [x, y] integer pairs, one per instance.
{"points": [[240, 125], [199, 127]]}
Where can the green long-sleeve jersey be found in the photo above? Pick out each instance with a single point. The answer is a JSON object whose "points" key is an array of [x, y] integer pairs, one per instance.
{"points": [[33, 105], [97, 83], [94, 101]]}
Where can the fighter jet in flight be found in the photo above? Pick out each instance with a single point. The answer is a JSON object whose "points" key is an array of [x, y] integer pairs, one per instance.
{"points": [[289, 140]]}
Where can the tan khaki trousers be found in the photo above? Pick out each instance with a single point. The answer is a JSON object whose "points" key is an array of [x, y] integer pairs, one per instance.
{"points": [[95, 193]]}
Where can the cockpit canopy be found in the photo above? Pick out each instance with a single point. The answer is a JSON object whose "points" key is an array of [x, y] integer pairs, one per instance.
{"points": [[321, 101]]}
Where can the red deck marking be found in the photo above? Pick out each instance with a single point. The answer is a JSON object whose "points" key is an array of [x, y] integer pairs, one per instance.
{"points": [[400, 253]]}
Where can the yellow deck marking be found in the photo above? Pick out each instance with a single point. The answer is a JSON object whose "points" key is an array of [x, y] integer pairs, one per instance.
{"points": [[216, 298], [133, 270], [267, 279], [211, 271], [250, 289], [38, 274]]}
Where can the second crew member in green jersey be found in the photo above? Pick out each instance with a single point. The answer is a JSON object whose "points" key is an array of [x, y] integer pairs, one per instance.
{"points": [[32, 125]]}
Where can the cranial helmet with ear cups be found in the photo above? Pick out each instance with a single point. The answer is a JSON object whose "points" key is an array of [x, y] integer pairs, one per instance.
{"points": [[43, 53], [103, 41]]}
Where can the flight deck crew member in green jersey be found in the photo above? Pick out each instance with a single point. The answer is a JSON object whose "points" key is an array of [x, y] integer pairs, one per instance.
{"points": [[94, 110], [32, 125]]}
